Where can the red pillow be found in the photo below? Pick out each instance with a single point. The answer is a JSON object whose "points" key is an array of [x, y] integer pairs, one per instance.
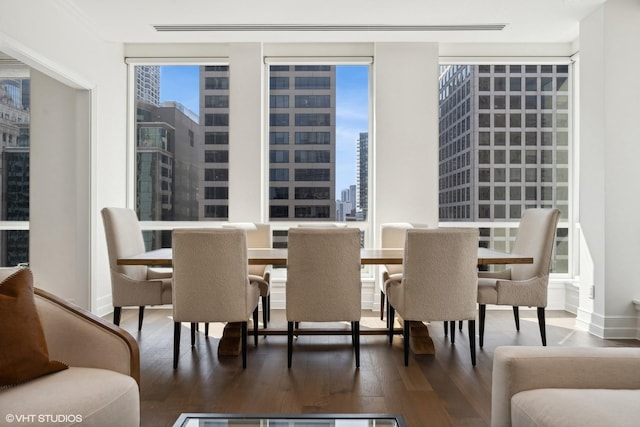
{"points": [[23, 349]]}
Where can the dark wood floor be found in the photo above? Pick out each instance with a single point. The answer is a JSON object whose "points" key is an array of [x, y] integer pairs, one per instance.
{"points": [[434, 390]]}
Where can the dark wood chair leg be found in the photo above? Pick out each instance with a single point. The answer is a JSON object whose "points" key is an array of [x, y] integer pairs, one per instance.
{"points": [[265, 306], [483, 312], [405, 335], [140, 317], [206, 330], [460, 325], [472, 341], [446, 328], [516, 317], [355, 326], [176, 343], [255, 327], [269, 308], [289, 343], [117, 312], [193, 334], [391, 312], [543, 327], [244, 344], [382, 305], [452, 328]]}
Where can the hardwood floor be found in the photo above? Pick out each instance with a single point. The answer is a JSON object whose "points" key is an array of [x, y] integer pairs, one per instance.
{"points": [[434, 390]]}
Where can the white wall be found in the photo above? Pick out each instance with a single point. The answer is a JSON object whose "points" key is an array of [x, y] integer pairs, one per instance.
{"points": [[78, 137], [609, 151]]}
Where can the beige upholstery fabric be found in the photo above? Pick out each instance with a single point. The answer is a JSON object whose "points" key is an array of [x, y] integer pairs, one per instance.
{"points": [[323, 275], [260, 237], [524, 284], [518, 369], [392, 235], [439, 280], [548, 407], [96, 397], [210, 276], [132, 285]]}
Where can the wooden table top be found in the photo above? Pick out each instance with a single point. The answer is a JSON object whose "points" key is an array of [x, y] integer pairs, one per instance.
{"points": [[368, 256]]}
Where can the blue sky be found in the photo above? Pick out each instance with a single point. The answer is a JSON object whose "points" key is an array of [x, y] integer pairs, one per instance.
{"points": [[181, 83]]}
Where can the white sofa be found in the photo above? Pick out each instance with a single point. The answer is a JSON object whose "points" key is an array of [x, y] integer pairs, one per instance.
{"points": [[565, 386], [100, 388]]}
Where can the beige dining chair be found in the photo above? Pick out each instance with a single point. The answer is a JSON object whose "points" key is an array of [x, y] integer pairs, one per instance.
{"points": [[131, 285], [323, 280], [392, 236], [211, 282], [523, 284], [439, 281], [260, 237]]}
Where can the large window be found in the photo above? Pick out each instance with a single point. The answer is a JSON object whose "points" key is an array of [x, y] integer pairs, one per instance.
{"points": [[318, 138], [505, 147], [15, 99]]}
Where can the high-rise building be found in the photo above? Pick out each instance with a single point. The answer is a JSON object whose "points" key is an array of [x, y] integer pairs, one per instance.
{"points": [[214, 147], [302, 142], [504, 132], [148, 84], [362, 176]]}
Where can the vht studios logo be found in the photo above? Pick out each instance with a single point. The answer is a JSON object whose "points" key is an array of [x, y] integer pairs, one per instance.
{"points": [[43, 418]]}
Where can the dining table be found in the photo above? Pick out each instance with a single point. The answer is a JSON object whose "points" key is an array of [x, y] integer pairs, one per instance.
{"points": [[421, 342]]}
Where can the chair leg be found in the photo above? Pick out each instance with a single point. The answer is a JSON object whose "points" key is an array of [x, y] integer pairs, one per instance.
{"points": [[355, 327], [391, 313], [140, 317], [255, 327], [289, 343], [117, 312], [206, 330], [446, 328], [244, 344], [405, 335], [269, 308], [516, 317], [460, 325], [264, 312], [541, 323], [382, 305], [483, 312], [472, 341], [176, 343], [193, 334], [452, 328]]}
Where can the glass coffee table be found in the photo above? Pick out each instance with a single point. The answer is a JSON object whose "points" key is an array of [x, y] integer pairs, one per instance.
{"points": [[291, 420]]}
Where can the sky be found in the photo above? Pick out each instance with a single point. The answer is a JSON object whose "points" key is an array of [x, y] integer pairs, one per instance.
{"points": [[181, 83]]}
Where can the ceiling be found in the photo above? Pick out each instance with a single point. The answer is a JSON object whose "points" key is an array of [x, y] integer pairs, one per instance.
{"points": [[525, 21]]}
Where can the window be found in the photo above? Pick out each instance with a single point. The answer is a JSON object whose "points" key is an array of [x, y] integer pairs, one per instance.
{"points": [[519, 134], [316, 172], [15, 97]]}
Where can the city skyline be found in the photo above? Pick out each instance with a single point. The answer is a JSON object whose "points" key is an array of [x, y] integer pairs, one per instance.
{"points": [[180, 83]]}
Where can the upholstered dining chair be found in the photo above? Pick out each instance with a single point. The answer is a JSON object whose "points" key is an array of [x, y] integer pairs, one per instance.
{"points": [[392, 236], [439, 281], [323, 280], [523, 284], [211, 282], [131, 285]]}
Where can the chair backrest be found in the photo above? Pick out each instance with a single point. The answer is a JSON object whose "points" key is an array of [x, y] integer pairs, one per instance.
{"points": [[440, 274], [210, 277], [536, 236], [323, 274], [259, 237], [124, 238], [392, 235]]}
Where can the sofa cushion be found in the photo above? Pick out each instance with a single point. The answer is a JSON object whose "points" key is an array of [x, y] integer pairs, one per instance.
{"points": [[92, 397], [575, 407], [23, 349]]}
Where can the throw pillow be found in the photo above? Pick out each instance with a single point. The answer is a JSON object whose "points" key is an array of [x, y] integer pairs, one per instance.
{"points": [[23, 349]]}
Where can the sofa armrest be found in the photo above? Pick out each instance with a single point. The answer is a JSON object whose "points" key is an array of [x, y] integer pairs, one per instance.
{"points": [[79, 338], [516, 369]]}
